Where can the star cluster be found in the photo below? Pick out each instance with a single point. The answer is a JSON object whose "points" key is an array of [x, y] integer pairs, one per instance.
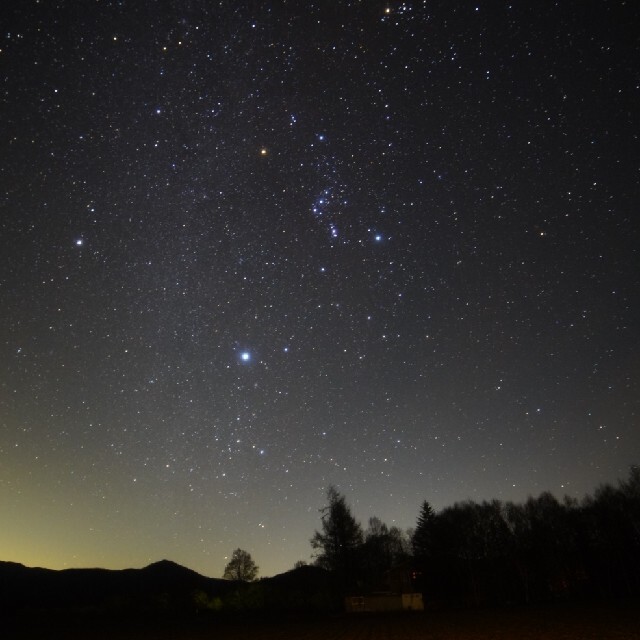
{"points": [[251, 249]]}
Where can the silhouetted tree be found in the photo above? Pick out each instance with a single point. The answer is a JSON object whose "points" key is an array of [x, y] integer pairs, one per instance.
{"points": [[241, 567], [422, 539], [544, 549], [552, 545], [468, 558], [614, 548], [339, 543], [422, 543], [384, 549], [520, 547]]}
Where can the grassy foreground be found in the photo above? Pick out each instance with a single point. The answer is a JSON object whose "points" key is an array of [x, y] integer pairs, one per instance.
{"points": [[598, 622]]}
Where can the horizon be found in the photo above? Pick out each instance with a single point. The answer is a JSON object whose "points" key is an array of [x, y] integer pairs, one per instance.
{"points": [[310, 560]]}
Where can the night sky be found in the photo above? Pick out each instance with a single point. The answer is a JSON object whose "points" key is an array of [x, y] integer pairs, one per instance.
{"points": [[251, 249]]}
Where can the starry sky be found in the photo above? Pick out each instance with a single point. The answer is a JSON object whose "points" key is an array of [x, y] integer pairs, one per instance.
{"points": [[251, 249]]}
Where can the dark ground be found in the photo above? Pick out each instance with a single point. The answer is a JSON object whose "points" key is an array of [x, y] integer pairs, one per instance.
{"points": [[568, 622]]}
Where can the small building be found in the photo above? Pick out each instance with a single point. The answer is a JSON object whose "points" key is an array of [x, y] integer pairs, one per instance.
{"points": [[378, 602]]}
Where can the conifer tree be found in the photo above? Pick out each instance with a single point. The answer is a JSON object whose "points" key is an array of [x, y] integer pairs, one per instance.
{"points": [[339, 543], [422, 540]]}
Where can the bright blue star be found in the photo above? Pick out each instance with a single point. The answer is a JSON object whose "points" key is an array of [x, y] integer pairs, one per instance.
{"points": [[245, 356]]}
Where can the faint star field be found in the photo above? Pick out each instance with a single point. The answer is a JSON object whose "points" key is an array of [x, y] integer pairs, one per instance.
{"points": [[253, 249]]}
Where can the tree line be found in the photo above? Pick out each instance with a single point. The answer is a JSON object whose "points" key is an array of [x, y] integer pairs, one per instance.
{"points": [[493, 551]]}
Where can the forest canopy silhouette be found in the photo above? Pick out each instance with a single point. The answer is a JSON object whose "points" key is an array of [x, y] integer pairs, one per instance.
{"points": [[493, 551]]}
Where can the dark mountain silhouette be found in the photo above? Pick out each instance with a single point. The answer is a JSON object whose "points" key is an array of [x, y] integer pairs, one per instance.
{"points": [[306, 588], [161, 585]]}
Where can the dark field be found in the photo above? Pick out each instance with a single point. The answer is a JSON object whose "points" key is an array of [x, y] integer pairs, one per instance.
{"points": [[548, 623]]}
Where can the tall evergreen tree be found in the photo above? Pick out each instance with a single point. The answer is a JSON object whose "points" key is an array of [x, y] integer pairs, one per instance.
{"points": [[422, 540]]}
